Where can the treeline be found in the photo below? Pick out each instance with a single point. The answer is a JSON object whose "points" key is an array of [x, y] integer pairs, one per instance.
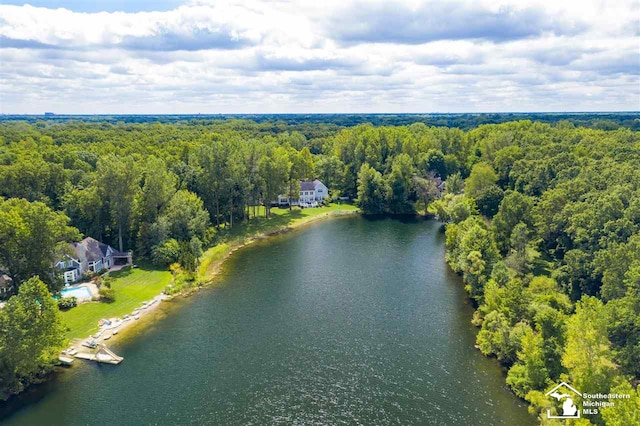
{"points": [[546, 234], [168, 191], [302, 122]]}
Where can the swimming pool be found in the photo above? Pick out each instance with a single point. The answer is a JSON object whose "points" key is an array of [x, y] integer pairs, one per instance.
{"points": [[80, 292]]}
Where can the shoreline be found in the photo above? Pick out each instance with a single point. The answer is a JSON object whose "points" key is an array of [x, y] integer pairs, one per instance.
{"points": [[206, 274]]}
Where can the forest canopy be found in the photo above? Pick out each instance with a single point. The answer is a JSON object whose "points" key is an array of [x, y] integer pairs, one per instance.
{"points": [[542, 219]]}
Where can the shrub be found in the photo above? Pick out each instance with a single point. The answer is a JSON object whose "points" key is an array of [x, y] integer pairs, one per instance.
{"points": [[167, 253], [66, 303], [107, 294]]}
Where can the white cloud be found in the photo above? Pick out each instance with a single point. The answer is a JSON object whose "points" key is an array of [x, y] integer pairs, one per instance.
{"points": [[338, 56]]}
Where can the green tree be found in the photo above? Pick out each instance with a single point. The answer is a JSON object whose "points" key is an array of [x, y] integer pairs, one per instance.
{"points": [[514, 208], [186, 216], [159, 185], [482, 177], [32, 239], [489, 200], [330, 171], [274, 172], [118, 179], [587, 354], [518, 258], [399, 184], [372, 190], [31, 335], [454, 184], [624, 412], [530, 372], [426, 189]]}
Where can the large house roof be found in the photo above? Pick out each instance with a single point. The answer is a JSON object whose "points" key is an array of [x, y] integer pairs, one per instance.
{"points": [[306, 185], [91, 250]]}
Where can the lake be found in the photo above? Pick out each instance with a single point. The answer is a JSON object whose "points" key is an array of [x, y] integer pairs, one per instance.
{"points": [[347, 321]]}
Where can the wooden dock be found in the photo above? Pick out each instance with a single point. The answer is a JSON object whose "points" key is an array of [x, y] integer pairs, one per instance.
{"points": [[103, 355]]}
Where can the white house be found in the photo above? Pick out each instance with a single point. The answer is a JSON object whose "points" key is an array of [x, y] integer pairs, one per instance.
{"points": [[310, 192], [6, 285], [89, 255]]}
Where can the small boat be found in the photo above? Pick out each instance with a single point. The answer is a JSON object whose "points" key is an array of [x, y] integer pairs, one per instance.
{"points": [[115, 332], [91, 344], [136, 317], [65, 360], [107, 337]]}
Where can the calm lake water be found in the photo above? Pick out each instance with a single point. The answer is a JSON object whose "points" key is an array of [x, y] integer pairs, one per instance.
{"points": [[347, 321]]}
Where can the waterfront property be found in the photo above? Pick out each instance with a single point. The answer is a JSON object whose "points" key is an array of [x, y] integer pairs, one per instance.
{"points": [[90, 255], [132, 287], [311, 193]]}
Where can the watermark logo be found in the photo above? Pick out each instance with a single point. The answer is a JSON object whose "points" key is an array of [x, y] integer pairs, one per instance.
{"points": [[566, 394]]}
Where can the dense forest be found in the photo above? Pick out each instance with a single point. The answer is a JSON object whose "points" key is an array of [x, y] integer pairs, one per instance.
{"points": [[542, 220]]}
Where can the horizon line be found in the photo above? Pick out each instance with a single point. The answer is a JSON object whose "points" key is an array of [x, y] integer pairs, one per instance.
{"points": [[56, 114]]}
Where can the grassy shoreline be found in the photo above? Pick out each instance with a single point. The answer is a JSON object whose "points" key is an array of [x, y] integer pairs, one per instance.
{"points": [[133, 286], [280, 222]]}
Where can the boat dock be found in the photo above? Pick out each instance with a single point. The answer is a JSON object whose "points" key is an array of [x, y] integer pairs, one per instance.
{"points": [[103, 354]]}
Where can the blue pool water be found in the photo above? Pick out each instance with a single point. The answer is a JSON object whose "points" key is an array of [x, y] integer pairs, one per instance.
{"points": [[81, 292]]}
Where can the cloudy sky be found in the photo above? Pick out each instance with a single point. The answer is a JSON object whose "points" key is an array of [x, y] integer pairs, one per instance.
{"points": [[278, 56]]}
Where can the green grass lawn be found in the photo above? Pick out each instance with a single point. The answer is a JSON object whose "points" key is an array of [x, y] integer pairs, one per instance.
{"points": [[132, 287], [283, 217]]}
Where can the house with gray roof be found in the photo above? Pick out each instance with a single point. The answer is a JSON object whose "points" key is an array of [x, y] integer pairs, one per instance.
{"points": [[310, 192], [90, 255]]}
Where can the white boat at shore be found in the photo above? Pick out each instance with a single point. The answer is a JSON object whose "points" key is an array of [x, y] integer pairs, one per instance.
{"points": [[65, 360]]}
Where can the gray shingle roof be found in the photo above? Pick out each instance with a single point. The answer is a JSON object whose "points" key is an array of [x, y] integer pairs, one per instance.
{"points": [[90, 250], [306, 185]]}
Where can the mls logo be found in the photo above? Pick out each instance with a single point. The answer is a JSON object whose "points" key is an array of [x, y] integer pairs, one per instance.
{"points": [[564, 392]]}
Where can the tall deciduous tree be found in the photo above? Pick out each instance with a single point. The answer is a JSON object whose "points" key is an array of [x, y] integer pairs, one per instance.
{"points": [[159, 185], [587, 354], [119, 178], [186, 216], [31, 335], [426, 189], [274, 172], [399, 183], [32, 239], [482, 177], [372, 190]]}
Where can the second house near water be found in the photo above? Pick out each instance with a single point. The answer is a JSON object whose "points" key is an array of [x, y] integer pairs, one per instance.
{"points": [[311, 193]]}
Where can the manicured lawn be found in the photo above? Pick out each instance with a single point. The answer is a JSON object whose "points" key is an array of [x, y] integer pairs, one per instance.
{"points": [[283, 217], [132, 287]]}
